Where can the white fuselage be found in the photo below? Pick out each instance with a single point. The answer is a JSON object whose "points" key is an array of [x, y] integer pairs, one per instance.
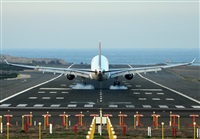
{"points": [[99, 73]]}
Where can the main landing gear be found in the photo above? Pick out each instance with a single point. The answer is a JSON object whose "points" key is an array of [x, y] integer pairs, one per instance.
{"points": [[83, 81], [116, 83]]}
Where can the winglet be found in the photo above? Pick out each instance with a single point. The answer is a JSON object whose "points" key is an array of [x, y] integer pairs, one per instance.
{"points": [[192, 61], [6, 61]]}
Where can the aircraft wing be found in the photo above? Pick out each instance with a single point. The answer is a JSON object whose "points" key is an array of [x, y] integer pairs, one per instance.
{"points": [[134, 71], [77, 72]]}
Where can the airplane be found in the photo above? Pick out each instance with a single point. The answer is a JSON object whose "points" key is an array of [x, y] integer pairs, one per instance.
{"points": [[100, 69]]}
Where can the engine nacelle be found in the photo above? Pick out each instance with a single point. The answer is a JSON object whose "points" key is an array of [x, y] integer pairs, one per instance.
{"points": [[70, 76], [129, 76]]}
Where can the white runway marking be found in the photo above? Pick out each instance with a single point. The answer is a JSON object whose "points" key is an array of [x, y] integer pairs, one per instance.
{"points": [[22, 105], [196, 107], [52, 92], [65, 92], [136, 93], [113, 106], [155, 98], [38, 105], [88, 105], [152, 90], [148, 93], [29, 89], [59, 97], [146, 106], [100, 96], [55, 105], [41, 92], [142, 99], [179, 106], [55, 89], [163, 106], [130, 106], [45, 97], [32, 98], [5, 105], [72, 105], [160, 93], [170, 99], [179, 93], [112, 103]]}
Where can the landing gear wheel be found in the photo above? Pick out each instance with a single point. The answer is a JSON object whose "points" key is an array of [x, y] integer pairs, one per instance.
{"points": [[116, 83], [83, 81]]}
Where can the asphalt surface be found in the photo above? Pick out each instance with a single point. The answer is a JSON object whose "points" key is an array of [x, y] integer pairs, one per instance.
{"points": [[142, 95]]}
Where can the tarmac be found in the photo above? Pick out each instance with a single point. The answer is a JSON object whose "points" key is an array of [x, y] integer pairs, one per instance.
{"points": [[147, 93]]}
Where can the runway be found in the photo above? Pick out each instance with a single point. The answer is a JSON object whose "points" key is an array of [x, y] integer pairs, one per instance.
{"points": [[142, 93]]}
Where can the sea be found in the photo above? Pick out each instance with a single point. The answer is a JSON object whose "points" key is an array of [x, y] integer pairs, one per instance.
{"points": [[134, 56]]}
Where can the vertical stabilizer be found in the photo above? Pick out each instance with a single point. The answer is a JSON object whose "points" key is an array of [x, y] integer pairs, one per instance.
{"points": [[99, 54]]}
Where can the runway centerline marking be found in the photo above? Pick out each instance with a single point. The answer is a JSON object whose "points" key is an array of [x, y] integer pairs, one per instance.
{"points": [[179, 93], [100, 96], [21, 92]]}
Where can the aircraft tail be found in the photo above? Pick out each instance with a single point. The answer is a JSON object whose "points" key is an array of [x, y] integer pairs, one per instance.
{"points": [[99, 54]]}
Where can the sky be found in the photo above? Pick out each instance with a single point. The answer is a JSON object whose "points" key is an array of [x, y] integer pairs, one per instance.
{"points": [[144, 24]]}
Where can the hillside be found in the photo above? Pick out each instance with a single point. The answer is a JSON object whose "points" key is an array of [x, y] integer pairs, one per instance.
{"points": [[34, 61]]}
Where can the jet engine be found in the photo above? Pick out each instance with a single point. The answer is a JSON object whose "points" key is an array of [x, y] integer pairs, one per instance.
{"points": [[70, 76], [129, 76]]}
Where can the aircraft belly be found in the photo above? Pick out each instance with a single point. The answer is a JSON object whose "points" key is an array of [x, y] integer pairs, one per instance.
{"points": [[99, 77]]}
